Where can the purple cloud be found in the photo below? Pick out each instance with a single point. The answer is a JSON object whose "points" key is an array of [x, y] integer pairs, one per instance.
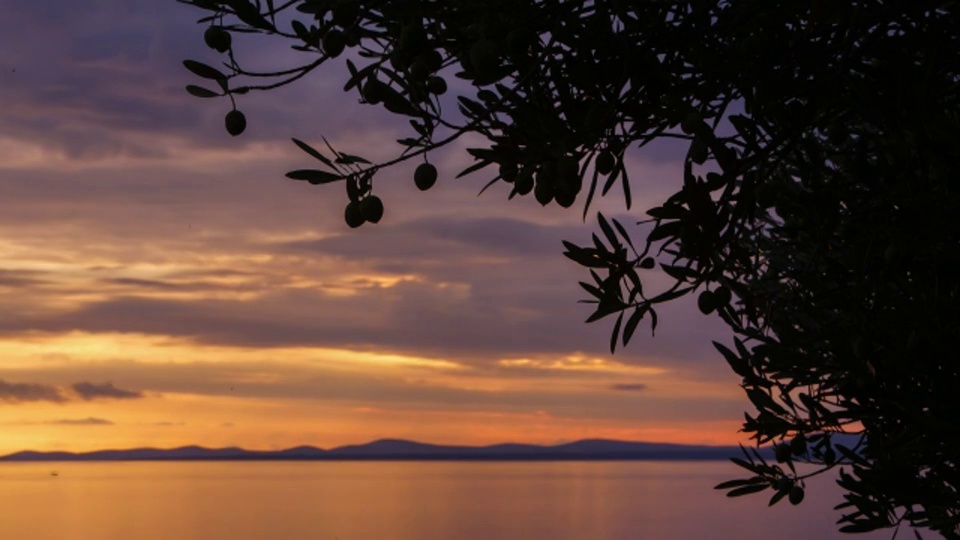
{"points": [[629, 387], [24, 392], [90, 391], [90, 421]]}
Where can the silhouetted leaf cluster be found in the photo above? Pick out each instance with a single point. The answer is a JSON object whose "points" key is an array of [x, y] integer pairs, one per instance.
{"points": [[816, 214]]}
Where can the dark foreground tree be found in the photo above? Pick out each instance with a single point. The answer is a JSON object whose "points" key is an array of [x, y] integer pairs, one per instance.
{"points": [[817, 213]]}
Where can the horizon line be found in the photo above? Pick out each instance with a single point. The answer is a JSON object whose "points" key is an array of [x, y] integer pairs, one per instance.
{"points": [[545, 448]]}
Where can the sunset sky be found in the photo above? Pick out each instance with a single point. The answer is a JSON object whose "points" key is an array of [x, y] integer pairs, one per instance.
{"points": [[163, 284]]}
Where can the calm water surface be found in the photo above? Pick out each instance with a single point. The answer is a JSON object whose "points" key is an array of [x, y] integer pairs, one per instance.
{"points": [[397, 501]]}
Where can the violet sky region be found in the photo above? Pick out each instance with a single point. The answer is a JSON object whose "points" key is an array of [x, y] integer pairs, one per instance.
{"points": [[163, 284]]}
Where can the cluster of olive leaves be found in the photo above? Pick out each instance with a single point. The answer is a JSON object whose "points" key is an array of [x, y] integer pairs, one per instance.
{"points": [[812, 153]]}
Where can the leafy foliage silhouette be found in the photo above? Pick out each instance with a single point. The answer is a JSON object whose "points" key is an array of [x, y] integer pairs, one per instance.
{"points": [[816, 213]]}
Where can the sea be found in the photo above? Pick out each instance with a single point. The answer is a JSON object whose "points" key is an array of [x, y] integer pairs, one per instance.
{"points": [[401, 500]]}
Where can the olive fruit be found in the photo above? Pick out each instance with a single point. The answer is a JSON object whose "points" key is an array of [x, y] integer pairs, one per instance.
{"points": [[784, 484], [425, 176], [371, 208], [796, 495], [235, 122], [606, 162], [543, 192], [524, 182], [508, 172], [419, 70], [722, 296], [698, 151], [352, 215], [707, 302], [334, 42], [437, 86], [374, 91], [565, 198], [217, 39]]}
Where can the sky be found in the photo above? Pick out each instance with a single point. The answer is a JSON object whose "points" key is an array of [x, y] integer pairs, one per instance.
{"points": [[163, 284]]}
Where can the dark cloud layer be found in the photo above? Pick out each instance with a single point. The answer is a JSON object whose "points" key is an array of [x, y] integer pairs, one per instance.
{"points": [[13, 392], [468, 289], [561, 396], [24, 392], [629, 387], [90, 391], [89, 421]]}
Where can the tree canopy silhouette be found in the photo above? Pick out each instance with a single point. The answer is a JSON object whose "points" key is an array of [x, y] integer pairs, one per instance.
{"points": [[816, 213]]}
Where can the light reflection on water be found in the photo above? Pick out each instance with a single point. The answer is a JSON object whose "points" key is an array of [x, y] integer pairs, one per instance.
{"points": [[398, 501]]}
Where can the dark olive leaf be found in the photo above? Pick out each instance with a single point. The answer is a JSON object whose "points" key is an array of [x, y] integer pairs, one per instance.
{"points": [[203, 70], [594, 291], [763, 402], [607, 231], [744, 126], [353, 189], [330, 147], [249, 14], [487, 185], [851, 455], [394, 102], [300, 30], [586, 257], [679, 273], [625, 183], [741, 348], [357, 76], [746, 465], [350, 159], [615, 335], [314, 176], [860, 527], [471, 107], [312, 6], [777, 497], [314, 153], [590, 193], [632, 322], [201, 92], [741, 482], [739, 365], [746, 490], [605, 309], [623, 233], [664, 230], [667, 212], [670, 295], [612, 178], [474, 168]]}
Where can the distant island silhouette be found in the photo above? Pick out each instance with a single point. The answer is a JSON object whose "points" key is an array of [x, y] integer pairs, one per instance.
{"points": [[396, 449]]}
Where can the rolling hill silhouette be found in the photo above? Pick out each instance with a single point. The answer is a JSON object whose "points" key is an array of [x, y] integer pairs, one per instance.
{"points": [[397, 449]]}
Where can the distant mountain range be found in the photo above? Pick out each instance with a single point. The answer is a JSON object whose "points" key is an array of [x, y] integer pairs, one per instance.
{"points": [[394, 449]]}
